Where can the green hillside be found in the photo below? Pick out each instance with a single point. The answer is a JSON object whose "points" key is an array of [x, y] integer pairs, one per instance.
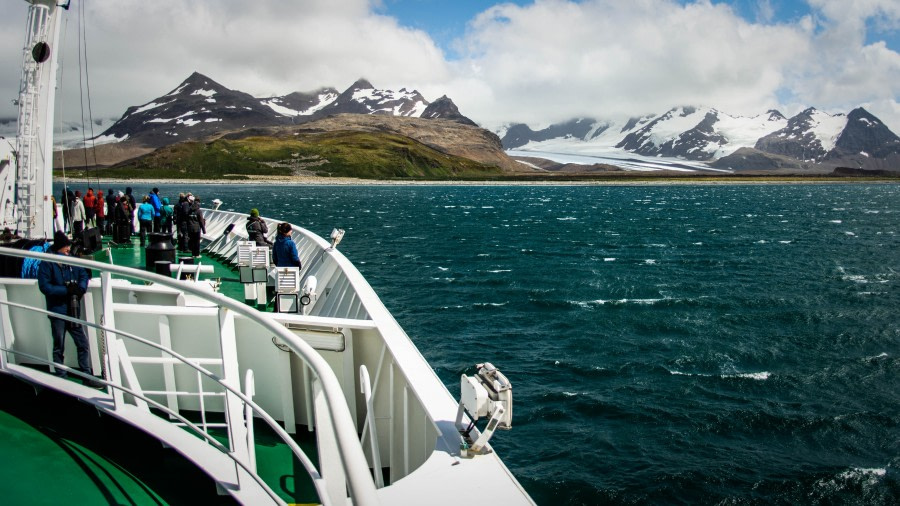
{"points": [[371, 155]]}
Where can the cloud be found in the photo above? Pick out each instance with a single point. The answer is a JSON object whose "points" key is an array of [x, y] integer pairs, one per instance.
{"points": [[139, 50], [556, 59], [546, 61]]}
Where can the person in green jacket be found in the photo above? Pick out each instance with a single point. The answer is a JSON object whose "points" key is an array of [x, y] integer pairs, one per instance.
{"points": [[166, 213]]}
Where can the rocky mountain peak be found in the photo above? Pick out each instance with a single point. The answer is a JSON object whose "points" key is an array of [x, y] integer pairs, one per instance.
{"points": [[444, 108], [361, 84]]}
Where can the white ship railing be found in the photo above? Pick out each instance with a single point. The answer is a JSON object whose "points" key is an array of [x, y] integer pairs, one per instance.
{"points": [[332, 412]]}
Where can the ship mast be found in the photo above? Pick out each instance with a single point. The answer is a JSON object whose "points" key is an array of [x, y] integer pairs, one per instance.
{"points": [[33, 212]]}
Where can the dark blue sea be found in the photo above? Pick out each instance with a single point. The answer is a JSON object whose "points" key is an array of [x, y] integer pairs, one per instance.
{"points": [[666, 344]]}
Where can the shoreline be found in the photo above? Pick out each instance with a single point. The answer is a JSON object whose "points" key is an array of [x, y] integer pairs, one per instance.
{"points": [[346, 181]]}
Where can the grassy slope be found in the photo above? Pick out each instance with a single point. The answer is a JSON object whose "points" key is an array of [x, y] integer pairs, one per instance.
{"points": [[346, 154]]}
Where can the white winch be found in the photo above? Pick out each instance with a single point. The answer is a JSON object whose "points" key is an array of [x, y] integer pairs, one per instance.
{"points": [[488, 393]]}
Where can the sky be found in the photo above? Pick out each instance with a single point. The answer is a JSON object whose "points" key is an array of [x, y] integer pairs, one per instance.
{"points": [[535, 62]]}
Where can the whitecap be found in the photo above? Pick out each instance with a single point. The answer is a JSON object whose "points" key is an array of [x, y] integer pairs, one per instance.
{"points": [[759, 376], [650, 261], [570, 394], [442, 269], [785, 242], [496, 271], [836, 221], [567, 218], [609, 259], [850, 234]]}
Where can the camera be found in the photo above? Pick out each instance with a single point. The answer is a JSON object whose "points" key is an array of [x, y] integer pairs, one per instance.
{"points": [[73, 308]]}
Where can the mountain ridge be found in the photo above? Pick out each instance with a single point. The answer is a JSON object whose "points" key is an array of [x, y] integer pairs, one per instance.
{"points": [[812, 139], [200, 107]]}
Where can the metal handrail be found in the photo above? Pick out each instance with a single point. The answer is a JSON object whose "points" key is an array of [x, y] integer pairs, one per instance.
{"points": [[200, 432], [356, 469], [295, 448]]}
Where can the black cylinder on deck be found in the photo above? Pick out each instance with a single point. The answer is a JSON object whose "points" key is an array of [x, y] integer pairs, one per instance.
{"points": [[160, 248]]}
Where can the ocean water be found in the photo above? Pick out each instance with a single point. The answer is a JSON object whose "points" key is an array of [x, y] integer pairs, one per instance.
{"points": [[666, 344]]}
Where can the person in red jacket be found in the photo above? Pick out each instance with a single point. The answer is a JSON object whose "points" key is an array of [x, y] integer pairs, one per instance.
{"points": [[89, 201], [100, 210]]}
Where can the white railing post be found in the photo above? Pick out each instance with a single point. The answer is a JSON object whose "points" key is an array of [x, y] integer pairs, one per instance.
{"points": [[329, 460], [6, 333], [237, 431], [112, 355], [250, 391], [366, 389]]}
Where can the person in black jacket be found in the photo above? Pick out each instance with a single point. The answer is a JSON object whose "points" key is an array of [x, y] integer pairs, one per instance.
{"points": [[196, 225], [63, 286], [182, 211], [257, 229]]}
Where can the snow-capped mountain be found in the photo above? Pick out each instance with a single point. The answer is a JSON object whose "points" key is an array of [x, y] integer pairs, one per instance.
{"points": [[200, 107], [362, 98], [705, 134], [301, 104]]}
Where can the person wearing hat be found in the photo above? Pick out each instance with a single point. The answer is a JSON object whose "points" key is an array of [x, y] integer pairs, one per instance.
{"points": [[195, 225], [62, 284], [257, 229], [284, 254]]}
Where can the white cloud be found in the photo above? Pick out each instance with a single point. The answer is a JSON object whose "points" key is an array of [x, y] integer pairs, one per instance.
{"points": [[550, 60], [605, 57], [139, 50]]}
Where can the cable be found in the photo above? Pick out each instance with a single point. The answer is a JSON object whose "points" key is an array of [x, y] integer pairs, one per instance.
{"points": [[87, 78]]}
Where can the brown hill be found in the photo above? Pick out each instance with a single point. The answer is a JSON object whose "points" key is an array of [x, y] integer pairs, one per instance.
{"points": [[443, 135]]}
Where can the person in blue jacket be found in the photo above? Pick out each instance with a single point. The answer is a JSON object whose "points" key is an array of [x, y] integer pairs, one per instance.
{"points": [[145, 218], [156, 202], [284, 253], [60, 284]]}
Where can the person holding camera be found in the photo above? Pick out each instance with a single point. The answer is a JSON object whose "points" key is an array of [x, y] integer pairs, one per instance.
{"points": [[63, 286]]}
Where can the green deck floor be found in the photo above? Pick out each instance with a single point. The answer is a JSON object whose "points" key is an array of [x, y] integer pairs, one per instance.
{"points": [[57, 449]]}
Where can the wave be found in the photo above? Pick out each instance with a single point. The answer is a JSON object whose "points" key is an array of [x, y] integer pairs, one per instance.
{"points": [[489, 304], [758, 376], [665, 301]]}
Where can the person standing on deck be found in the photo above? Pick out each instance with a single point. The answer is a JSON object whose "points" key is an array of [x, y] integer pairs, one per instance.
{"points": [[100, 210], [66, 202], [132, 204], [78, 217], [257, 229], [63, 286], [89, 201], [284, 254], [122, 232], [157, 207], [55, 213], [145, 219], [166, 214], [111, 201], [196, 225], [183, 210]]}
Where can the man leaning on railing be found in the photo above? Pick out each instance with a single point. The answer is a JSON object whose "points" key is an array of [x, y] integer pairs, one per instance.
{"points": [[63, 286]]}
